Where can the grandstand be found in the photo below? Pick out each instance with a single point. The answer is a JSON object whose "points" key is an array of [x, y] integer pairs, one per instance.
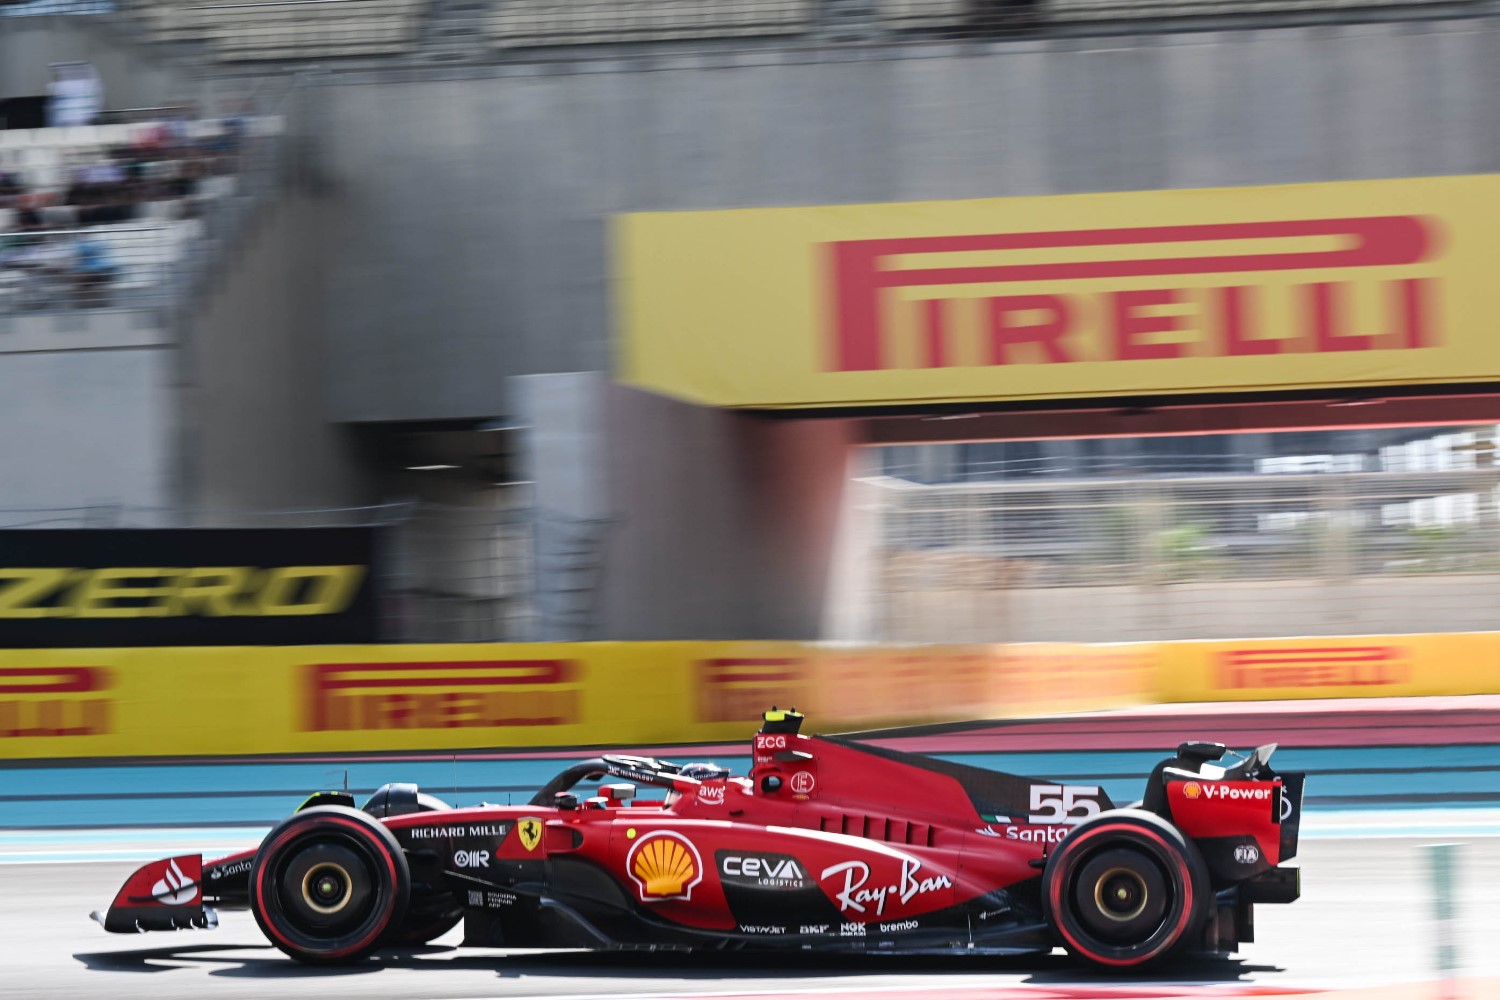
{"points": [[110, 215], [298, 30]]}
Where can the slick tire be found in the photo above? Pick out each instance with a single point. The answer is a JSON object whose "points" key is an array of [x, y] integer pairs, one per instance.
{"points": [[1125, 889], [430, 913], [329, 884]]}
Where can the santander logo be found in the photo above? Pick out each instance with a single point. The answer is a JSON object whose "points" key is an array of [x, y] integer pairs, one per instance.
{"points": [[174, 888]]}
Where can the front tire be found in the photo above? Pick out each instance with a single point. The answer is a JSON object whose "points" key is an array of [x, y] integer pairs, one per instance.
{"points": [[1125, 889], [328, 884]]}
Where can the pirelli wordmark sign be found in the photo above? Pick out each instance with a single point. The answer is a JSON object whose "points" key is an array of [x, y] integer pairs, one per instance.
{"points": [[190, 587], [1365, 283]]}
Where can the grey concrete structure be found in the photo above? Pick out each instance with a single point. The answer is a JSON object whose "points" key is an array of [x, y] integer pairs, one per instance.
{"points": [[132, 78], [471, 216]]}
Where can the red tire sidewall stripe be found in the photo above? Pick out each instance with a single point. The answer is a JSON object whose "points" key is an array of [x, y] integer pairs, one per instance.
{"points": [[260, 879], [1056, 901]]}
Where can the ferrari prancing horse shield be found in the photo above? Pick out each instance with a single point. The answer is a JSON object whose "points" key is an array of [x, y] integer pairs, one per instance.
{"points": [[530, 832]]}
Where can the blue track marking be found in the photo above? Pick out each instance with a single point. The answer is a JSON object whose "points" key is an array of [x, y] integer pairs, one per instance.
{"points": [[257, 793]]}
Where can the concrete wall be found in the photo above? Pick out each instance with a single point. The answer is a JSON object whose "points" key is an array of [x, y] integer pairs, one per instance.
{"points": [[132, 79], [82, 428], [256, 435], [724, 525], [470, 215]]}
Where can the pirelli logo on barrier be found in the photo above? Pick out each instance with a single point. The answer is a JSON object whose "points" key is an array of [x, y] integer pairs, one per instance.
{"points": [[731, 689], [1027, 319], [54, 701], [1314, 667], [454, 694]]}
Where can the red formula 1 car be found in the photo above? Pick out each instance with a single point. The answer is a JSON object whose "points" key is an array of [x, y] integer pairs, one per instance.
{"points": [[827, 845]]}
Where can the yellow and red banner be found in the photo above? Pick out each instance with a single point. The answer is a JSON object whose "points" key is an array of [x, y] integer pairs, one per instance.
{"points": [[1362, 283], [328, 699]]}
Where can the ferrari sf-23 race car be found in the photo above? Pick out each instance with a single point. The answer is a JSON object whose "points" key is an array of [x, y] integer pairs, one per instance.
{"points": [[828, 844]]}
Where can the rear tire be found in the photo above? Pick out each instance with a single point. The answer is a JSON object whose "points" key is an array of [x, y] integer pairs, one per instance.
{"points": [[328, 884], [1125, 889]]}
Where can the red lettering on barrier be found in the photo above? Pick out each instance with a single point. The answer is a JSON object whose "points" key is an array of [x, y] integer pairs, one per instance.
{"points": [[25, 714], [863, 273], [1348, 666], [442, 695]]}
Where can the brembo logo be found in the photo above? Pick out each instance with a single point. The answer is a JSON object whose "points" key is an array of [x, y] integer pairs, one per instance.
{"points": [[1342, 666], [54, 701], [442, 695], [1026, 317], [32, 592]]}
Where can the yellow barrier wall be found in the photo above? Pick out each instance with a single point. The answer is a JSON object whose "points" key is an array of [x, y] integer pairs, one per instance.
{"points": [[1369, 666], [261, 700]]}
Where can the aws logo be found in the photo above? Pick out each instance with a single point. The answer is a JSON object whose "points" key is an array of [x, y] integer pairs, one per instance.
{"points": [[664, 866]]}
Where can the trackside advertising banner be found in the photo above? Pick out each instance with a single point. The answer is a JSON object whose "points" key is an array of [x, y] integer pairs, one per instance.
{"points": [[263, 700], [187, 587], [1308, 286]]}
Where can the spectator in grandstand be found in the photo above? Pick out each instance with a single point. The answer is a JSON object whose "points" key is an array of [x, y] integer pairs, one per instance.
{"points": [[93, 270]]}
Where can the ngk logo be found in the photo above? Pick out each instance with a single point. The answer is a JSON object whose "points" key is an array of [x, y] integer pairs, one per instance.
{"points": [[447, 695], [54, 701], [1005, 288]]}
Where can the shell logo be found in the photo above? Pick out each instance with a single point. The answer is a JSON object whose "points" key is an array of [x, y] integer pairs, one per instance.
{"points": [[664, 866], [1192, 790]]}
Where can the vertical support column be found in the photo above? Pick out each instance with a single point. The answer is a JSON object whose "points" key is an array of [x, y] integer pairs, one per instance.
{"points": [[563, 454], [1443, 865]]}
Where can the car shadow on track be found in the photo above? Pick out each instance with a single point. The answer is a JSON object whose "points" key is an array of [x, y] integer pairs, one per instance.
{"points": [[264, 962]]}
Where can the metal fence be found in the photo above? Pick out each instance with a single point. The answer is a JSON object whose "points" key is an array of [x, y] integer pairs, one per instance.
{"points": [[132, 213], [1138, 558], [321, 29]]}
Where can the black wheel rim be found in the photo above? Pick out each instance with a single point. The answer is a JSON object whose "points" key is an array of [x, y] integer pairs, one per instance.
{"points": [[327, 890], [1122, 897]]}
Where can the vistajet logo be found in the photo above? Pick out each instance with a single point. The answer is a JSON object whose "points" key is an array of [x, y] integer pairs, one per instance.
{"points": [[443, 695], [1026, 317]]}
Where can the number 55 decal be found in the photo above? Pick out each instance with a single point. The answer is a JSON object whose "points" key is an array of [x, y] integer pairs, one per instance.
{"points": [[1063, 803]]}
